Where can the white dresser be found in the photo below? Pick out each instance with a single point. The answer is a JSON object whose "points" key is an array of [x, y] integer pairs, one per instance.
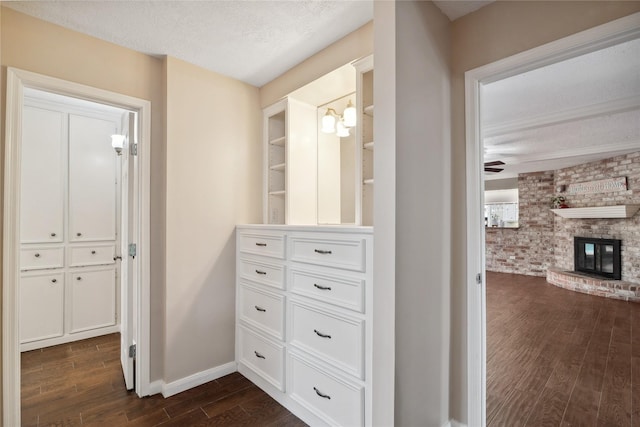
{"points": [[303, 318]]}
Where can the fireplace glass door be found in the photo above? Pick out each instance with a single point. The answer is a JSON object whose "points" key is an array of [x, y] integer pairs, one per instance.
{"points": [[598, 256]]}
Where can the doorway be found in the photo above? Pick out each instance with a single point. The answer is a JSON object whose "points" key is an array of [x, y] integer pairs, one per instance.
{"points": [[607, 35], [134, 298]]}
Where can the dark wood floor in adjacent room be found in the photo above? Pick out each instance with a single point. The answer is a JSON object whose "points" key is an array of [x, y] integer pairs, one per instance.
{"points": [[81, 383], [560, 358]]}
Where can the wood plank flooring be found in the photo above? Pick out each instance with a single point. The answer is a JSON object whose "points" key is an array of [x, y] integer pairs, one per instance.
{"points": [[560, 358], [81, 383]]}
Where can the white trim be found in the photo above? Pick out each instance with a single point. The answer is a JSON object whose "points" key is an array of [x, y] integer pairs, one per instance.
{"points": [[28, 346], [155, 387], [596, 38], [16, 81], [199, 378], [454, 423]]}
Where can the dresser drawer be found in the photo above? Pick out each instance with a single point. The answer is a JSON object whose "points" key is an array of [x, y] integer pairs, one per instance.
{"points": [[338, 290], [346, 253], [40, 258], [263, 310], [91, 255], [336, 339], [263, 356], [260, 272], [336, 401], [262, 244]]}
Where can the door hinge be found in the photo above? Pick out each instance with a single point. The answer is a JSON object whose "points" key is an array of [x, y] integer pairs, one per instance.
{"points": [[479, 278], [133, 149], [133, 250], [132, 350]]}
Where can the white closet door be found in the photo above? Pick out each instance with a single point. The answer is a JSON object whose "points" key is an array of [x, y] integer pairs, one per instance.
{"points": [[42, 192], [92, 179], [93, 299], [41, 306]]}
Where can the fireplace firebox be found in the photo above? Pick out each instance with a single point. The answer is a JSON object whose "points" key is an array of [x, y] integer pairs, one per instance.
{"points": [[600, 257]]}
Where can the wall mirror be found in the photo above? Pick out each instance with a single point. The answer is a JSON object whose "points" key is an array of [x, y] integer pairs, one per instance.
{"points": [[336, 145]]}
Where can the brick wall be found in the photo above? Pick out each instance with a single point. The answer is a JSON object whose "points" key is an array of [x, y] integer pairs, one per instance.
{"points": [[528, 249], [545, 240], [626, 229]]}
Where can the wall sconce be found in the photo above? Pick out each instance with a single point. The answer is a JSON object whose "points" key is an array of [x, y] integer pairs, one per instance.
{"points": [[117, 142], [340, 124]]}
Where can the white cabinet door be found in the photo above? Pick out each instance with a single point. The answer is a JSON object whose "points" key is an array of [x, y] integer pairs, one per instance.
{"points": [[93, 299], [92, 179], [41, 306], [42, 188]]}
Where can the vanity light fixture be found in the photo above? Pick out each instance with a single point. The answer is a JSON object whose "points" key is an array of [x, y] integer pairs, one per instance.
{"points": [[117, 142], [340, 124]]}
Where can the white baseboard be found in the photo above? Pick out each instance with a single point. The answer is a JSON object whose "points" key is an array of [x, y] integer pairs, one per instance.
{"points": [[454, 423], [155, 387], [178, 386]]}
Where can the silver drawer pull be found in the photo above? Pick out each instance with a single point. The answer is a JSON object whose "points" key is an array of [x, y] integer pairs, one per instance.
{"points": [[320, 334], [261, 272], [261, 244], [37, 255], [259, 356], [322, 251], [93, 252], [322, 395], [260, 308], [322, 288], [54, 280]]}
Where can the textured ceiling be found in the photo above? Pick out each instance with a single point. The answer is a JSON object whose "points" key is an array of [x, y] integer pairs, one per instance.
{"points": [[252, 41], [454, 9], [577, 111]]}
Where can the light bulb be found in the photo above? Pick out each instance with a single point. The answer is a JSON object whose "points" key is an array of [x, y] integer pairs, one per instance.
{"points": [[328, 122], [341, 130], [117, 142], [349, 115]]}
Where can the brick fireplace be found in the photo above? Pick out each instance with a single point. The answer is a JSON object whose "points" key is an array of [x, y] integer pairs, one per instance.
{"points": [[544, 243]]}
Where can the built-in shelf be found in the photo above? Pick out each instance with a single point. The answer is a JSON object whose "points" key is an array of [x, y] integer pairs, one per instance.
{"points": [[278, 141], [368, 145], [278, 167], [277, 193], [368, 110], [368, 181], [620, 211]]}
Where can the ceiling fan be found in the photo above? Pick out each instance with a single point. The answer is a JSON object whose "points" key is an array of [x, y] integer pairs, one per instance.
{"points": [[488, 168]]}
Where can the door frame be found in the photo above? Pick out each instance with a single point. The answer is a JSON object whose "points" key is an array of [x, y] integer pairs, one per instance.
{"points": [[17, 80], [605, 35]]}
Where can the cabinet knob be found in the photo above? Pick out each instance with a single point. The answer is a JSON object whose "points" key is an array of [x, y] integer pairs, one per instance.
{"points": [[37, 255], [54, 280], [53, 234], [93, 252], [78, 278], [78, 234]]}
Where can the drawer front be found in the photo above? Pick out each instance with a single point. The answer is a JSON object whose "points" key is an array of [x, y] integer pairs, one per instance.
{"points": [[267, 274], [35, 259], [91, 255], [342, 291], [264, 357], [262, 244], [92, 299], [263, 310], [333, 338], [41, 307], [336, 401], [346, 253]]}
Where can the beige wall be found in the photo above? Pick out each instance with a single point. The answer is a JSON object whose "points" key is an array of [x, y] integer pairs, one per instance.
{"points": [[349, 48], [214, 176], [34, 45], [496, 31]]}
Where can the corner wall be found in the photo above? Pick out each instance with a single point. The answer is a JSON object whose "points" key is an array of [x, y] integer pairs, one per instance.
{"points": [[214, 177], [494, 32]]}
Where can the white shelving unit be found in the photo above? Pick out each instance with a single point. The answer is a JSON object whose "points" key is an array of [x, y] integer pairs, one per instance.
{"points": [[364, 138], [290, 163]]}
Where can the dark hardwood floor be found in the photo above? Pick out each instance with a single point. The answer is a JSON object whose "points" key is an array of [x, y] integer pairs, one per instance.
{"points": [[560, 358], [81, 383]]}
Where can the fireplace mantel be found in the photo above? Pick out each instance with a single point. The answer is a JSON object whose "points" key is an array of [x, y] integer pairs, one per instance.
{"points": [[619, 211]]}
